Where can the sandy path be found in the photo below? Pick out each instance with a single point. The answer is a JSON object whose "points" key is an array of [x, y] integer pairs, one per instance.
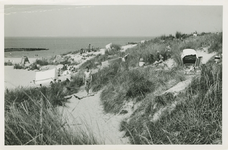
{"points": [[87, 113]]}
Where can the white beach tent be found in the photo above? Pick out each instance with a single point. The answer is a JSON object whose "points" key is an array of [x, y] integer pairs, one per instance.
{"points": [[46, 76]]}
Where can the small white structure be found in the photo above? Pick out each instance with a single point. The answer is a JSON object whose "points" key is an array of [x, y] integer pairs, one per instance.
{"points": [[143, 41], [46, 76], [108, 46], [195, 34], [102, 51]]}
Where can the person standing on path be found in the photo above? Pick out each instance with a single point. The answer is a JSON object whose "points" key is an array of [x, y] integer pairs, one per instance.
{"points": [[87, 80]]}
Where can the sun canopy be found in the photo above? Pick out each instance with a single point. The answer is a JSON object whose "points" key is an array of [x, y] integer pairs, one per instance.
{"points": [[24, 60], [188, 52]]}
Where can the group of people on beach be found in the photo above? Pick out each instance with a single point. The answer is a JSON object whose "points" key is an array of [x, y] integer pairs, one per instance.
{"points": [[89, 49]]}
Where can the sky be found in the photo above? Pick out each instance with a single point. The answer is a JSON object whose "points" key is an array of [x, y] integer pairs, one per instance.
{"points": [[109, 20]]}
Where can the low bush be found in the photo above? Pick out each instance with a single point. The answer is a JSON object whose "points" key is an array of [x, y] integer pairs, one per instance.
{"points": [[116, 47], [18, 66], [9, 63], [42, 62]]}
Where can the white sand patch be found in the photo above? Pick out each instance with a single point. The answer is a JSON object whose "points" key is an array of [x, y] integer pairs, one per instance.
{"points": [[18, 77], [124, 48], [206, 56]]}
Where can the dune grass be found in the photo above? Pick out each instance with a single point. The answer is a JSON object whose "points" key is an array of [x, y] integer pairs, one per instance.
{"points": [[122, 83], [35, 121], [134, 85], [182, 122], [31, 116], [197, 118]]}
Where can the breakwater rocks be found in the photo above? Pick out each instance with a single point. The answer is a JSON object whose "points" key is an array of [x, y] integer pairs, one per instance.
{"points": [[24, 49]]}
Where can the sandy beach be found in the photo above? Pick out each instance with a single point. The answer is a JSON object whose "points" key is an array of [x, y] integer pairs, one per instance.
{"points": [[18, 60], [19, 77], [14, 78]]}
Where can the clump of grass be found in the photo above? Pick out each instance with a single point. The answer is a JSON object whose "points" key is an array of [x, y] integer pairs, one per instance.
{"points": [[18, 66], [101, 78], [42, 62], [125, 86]]}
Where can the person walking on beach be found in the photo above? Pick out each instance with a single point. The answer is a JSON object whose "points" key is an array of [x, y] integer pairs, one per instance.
{"points": [[87, 80]]}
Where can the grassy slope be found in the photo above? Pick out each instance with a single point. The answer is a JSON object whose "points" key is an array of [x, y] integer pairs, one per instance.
{"points": [[122, 84], [197, 118]]}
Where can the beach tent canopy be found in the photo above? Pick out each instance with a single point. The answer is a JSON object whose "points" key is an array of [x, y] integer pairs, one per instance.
{"points": [[189, 56], [46, 76], [24, 60]]}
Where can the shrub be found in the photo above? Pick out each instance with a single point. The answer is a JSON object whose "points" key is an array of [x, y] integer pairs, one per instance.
{"points": [[18, 66], [178, 35], [138, 85], [41, 62], [9, 63], [116, 47]]}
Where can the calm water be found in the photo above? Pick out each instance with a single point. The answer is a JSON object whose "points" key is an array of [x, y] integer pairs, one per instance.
{"points": [[60, 45]]}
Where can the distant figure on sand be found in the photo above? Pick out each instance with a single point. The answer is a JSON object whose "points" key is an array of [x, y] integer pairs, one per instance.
{"points": [[87, 79], [89, 47]]}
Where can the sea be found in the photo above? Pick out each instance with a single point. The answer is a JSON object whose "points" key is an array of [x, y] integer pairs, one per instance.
{"points": [[60, 45]]}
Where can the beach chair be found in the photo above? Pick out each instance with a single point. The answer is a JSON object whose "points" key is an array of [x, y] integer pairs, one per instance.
{"points": [[189, 58]]}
